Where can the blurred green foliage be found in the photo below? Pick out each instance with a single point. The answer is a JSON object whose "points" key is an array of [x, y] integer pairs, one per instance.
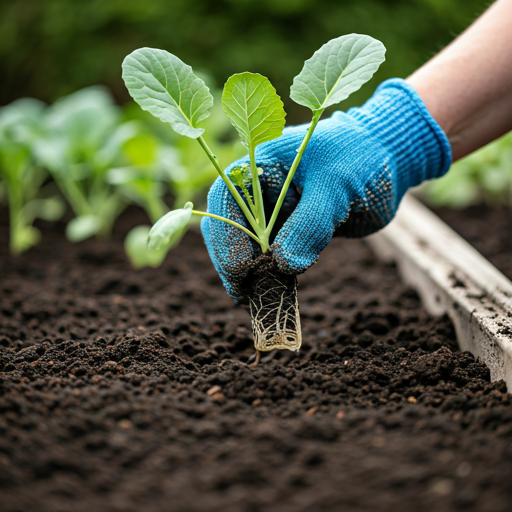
{"points": [[22, 180], [52, 48], [482, 177], [86, 151], [49, 48]]}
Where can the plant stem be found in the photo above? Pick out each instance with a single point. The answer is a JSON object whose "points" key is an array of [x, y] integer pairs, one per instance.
{"points": [[15, 203], [234, 192], [316, 117], [75, 196], [228, 221], [155, 208], [249, 200], [256, 191]]}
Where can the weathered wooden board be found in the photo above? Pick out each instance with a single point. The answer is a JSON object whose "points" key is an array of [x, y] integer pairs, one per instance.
{"points": [[454, 278]]}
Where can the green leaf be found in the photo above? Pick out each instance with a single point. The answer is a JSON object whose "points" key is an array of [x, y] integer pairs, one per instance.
{"points": [[254, 108], [20, 120], [122, 175], [142, 149], [138, 253], [241, 175], [339, 68], [82, 227], [84, 119], [112, 149], [52, 209], [169, 228], [165, 86]]}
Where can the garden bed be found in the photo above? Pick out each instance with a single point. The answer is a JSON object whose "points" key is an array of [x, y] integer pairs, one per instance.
{"points": [[488, 230], [129, 391]]}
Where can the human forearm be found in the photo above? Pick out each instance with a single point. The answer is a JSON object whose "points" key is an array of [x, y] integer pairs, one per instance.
{"points": [[468, 87]]}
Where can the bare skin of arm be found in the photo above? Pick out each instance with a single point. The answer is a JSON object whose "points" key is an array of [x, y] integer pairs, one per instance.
{"points": [[468, 86]]}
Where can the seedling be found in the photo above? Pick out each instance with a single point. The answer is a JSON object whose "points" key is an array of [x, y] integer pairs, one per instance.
{"points": [[166, 87], [153, 167], [81, 139], [482, 177], [23, 180]]}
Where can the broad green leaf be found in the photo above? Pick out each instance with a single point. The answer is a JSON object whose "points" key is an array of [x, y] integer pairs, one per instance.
{"points": [[142, 149], [254, 108], [112, 148], [122, 175], [52, 152], [165, 86], [169, 228], [51, 209], [85, 119], [22, 110], [138, 253], [339, 68], [82, 227], [20, 120], [494, 179]]}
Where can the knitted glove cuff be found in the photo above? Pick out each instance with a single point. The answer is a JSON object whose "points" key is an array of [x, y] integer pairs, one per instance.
{"points": [[397, 116]]}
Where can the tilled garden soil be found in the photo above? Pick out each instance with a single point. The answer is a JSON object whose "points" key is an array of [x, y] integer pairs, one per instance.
{"points": [[129, 391]]}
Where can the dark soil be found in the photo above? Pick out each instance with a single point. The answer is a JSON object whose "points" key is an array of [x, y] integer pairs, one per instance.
{"points": [[488, 230], [129, 391]]}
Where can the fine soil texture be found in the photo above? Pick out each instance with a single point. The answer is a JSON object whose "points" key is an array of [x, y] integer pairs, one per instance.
{"points": [[128, 391], [488, 230]]}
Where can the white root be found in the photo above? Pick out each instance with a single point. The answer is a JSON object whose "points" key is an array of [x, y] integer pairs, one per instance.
{"points": [[275, 319]]}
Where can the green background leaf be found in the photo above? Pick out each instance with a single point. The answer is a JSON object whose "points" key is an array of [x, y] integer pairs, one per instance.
{"points": [[165, 86], [169, 228], [339, 68], [82, 227], [254, 108], [138, 253]]}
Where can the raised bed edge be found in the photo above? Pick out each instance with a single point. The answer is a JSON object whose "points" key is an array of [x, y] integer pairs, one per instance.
{"points": [[452, 277]]}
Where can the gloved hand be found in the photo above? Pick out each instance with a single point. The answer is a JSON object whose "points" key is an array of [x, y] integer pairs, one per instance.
{"points": [[352, 176]]}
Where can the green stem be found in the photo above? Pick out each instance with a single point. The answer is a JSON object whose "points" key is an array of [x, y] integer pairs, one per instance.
{"points": [[155, 208], [110, 209], [75, 196], [15, 205], [249, 200], [231, 187], [232, 222], [256, 191], [316, 117]]}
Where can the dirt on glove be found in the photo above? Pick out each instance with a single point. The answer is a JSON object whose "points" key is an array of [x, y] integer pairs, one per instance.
{"points": [[125, 390]]}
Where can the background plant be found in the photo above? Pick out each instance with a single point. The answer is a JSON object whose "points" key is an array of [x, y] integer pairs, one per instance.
{"points": [[22, 180], [482, 177], [176, 163], [81, 138], [99, 158]]}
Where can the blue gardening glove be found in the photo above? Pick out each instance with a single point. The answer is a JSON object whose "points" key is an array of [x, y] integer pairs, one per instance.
{"points": [[353, 174]]}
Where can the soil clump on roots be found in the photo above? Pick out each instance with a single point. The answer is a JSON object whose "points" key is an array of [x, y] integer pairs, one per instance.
{"points": [[129, 391], [273, 305]]}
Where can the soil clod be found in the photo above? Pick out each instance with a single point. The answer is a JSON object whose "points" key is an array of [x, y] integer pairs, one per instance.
{"points": [[274, 306]]}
